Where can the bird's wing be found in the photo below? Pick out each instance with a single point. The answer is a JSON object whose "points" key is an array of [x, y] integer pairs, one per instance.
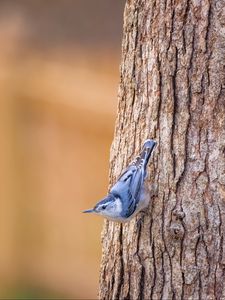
{"points": [[134, 176], [129, 204], [136, 182], [140, 162], [130, 182]]}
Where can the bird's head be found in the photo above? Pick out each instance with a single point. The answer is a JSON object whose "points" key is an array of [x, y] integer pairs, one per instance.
{"points": [[109, 207]]}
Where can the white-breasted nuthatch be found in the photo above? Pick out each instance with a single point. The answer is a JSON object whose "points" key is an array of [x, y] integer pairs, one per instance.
{"points": [[127, 196]]}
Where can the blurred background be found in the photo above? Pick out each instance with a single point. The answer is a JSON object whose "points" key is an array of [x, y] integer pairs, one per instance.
{"points": [[59, 72]]}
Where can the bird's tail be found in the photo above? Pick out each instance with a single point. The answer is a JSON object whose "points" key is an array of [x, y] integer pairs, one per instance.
{"points": [[147, 150]]}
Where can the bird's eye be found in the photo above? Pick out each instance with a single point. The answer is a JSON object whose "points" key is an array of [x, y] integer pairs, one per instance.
{"points": [[103, 206]]}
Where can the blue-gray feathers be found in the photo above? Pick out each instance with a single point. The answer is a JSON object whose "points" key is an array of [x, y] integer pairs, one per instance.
{"points": [[123, 200], [130, 183]]}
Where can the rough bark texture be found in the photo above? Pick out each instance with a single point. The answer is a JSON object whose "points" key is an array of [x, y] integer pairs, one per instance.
{"points": [[172, 89]]}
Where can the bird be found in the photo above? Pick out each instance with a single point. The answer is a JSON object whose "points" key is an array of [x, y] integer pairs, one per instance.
{"points": [[128, 195]]}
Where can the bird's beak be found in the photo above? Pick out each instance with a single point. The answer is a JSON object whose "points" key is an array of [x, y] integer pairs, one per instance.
{"points": [[88, 211]]}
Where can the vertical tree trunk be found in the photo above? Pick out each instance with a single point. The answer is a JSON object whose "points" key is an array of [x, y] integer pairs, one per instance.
{"points": [[172, 89]]}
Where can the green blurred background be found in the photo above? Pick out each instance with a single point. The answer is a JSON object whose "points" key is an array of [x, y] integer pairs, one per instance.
{"points": [[58, 95]]}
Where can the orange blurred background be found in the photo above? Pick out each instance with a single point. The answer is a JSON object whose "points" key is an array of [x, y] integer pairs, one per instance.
{"points": [[58, 96]]}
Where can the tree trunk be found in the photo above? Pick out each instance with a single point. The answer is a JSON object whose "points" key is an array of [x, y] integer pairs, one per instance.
{"points": [[172, 89]]}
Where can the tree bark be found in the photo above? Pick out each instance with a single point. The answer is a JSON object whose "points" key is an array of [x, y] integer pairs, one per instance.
{"points": [[172, 89]]}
